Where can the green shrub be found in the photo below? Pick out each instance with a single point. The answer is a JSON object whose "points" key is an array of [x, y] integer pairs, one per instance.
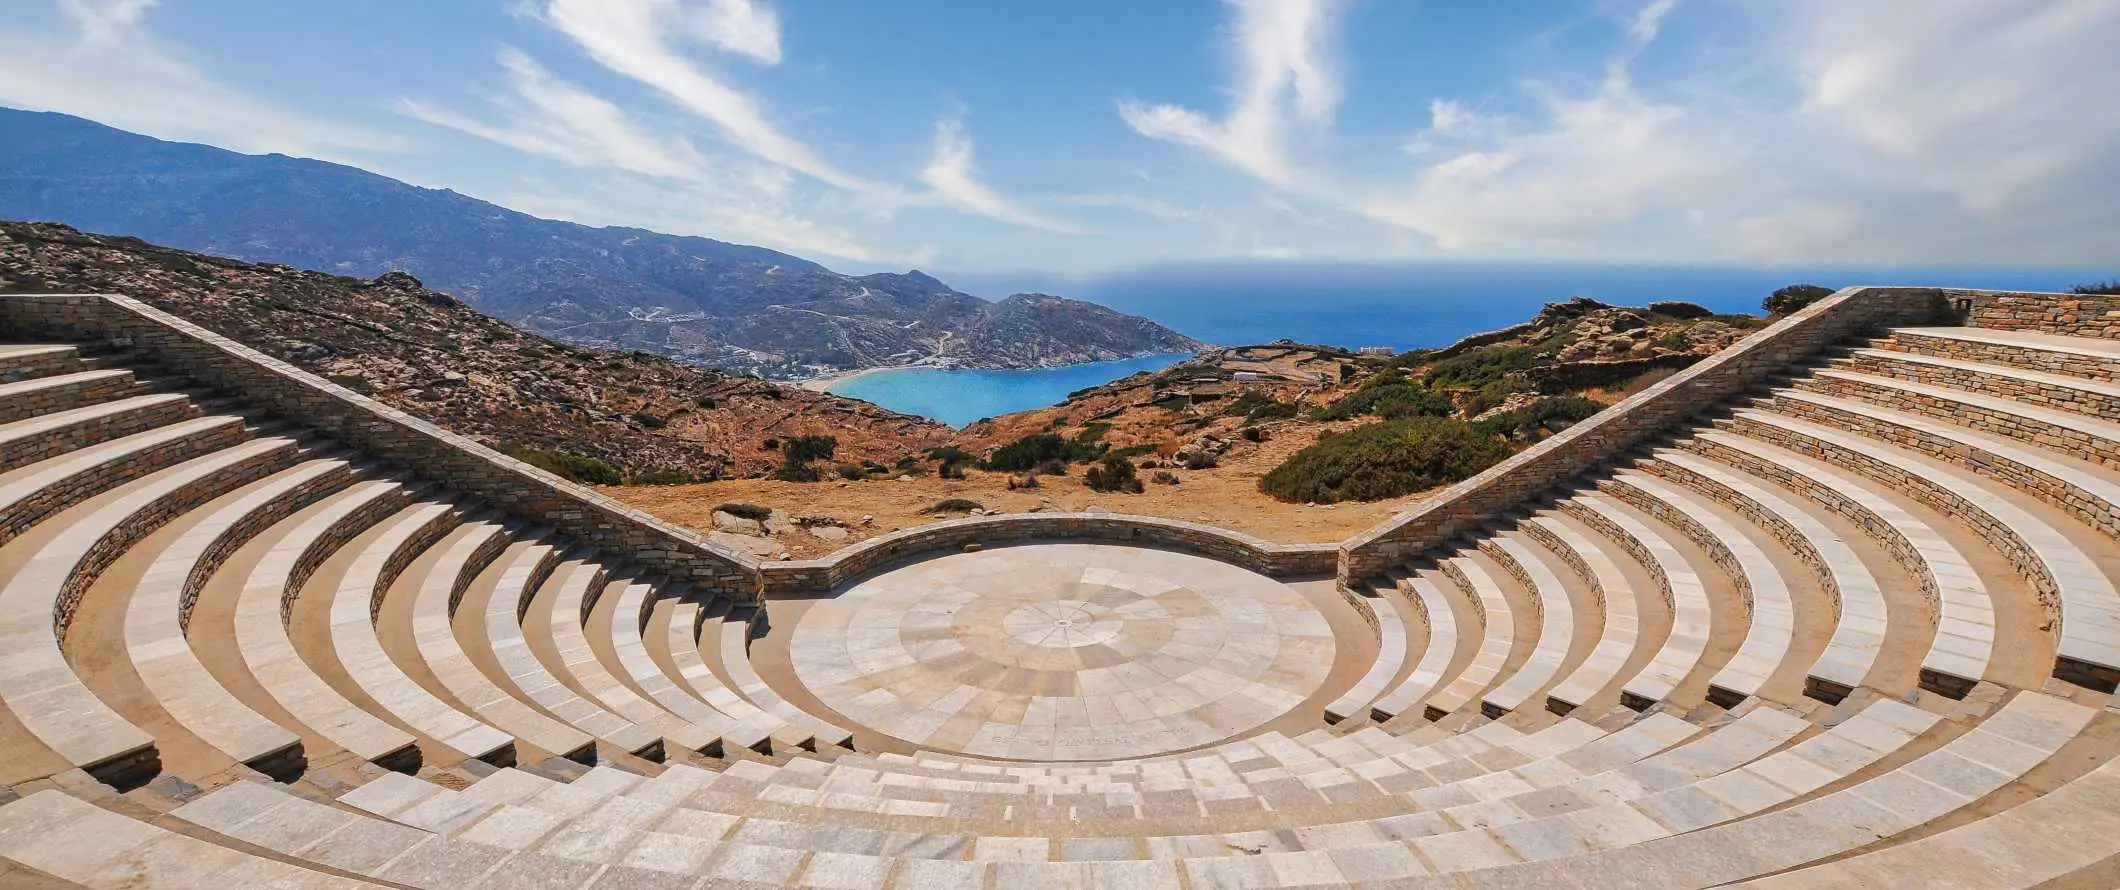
{"points": [[1384, 460], [803, 449], [1252, 434], [753, 512], [705, 402], [1114, 473], [1679, 309], [1794, 297], [1133, 451], [1535, 420], [1480, 367], [1037, 448], [955, 505], [2097, 288], [791, 471], [649, 421], [1274, 411], [1400, 399], [356, 382], [573, 467], [662, 477], [1494, 393], [852, 472]]}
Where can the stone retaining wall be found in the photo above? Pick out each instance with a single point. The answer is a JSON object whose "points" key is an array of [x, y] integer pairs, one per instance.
{"points": [[385, 433], [2075, 315], [67, 438], [480, 560], [2070, 440], [1790, 538], [1471, 594], [876, 554], [434, 529], [1533, 597], [1650, 413], [345, 529]]}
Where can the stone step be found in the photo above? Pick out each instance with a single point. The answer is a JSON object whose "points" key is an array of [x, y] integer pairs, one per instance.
{"points": [[32, 493], [2095, 398], [524, 675], [94, 848], [1436, 658], [1392, 636], [24, 361], [2069, 583], [1685, 596], [565, 603], [438, 599], [1620, 636], [352, 600], [2029, 427], [44, 436], [44, 573], [1483, 592], [59, 392], [1962, 643], [2046, 353], [1555, 608], [294, 548], [628, 610], [160, 606], [1860, 616]]}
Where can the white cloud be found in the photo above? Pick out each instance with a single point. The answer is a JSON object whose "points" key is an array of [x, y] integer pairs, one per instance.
{"points": [[1283, 55], [633, 38], [955, 181], [639, 178], [111, 69], [743, 27]]}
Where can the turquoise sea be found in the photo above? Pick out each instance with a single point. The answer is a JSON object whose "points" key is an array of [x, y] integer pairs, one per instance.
{"points": [[960, 397], [1402, 306]]}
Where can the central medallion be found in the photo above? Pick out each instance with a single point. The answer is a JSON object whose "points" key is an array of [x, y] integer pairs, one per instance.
{"points": [[1063, 652]]}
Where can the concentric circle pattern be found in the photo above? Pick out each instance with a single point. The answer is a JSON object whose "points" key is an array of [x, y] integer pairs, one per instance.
{"points": [[1063, 652]]}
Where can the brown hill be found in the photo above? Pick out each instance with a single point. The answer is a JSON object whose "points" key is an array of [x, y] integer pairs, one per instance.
{"points": [[427, 353]]}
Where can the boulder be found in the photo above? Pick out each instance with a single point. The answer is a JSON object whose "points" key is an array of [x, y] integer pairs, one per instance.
{"points": [[737, 525]]}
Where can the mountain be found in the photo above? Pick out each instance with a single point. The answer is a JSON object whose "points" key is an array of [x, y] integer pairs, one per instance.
{"points": [[647, 417], [702, 301]]}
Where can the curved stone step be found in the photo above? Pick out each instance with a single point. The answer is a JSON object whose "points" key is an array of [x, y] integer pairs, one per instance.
{"points": [[1621, 633], [301, 543], [1964, 629], [1497, 638], [566, 599], [1556, 613], [2071, 356], [1434, 665], [57, 392], [33, 493], [1391, 656], [736, 660], [2069, 584], [157, 613], [355, 599], [1859, 622], [1769, 609], [434, 632], [628, 610], [2095, 398], [1687, 597], [682, 638], [48, 435], [512, 597], [53, 566]]}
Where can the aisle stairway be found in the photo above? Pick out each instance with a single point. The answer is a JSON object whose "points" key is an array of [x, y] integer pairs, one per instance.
{"points": [[1857, 628]]}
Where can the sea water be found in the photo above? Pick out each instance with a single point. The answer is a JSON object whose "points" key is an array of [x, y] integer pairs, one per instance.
{"points": [[962, 396]]}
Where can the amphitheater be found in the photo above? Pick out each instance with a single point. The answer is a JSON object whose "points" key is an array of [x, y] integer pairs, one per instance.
{"points": [[1833, 608]]}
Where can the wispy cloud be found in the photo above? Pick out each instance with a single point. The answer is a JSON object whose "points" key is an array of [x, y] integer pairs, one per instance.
{"points": [[956, 182], [112, 69], [636, 38], [640, 178], [743, 27], [1284, 60]]}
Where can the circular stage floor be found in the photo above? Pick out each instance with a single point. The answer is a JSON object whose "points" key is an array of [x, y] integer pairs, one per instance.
{"points": [[1063, 652]]}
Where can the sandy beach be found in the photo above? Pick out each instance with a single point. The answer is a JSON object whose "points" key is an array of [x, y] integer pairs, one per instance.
{"points": [[825, 383]]}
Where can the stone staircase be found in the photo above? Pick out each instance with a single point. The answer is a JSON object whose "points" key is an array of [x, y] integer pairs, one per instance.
{"points": [[1852, 628]]}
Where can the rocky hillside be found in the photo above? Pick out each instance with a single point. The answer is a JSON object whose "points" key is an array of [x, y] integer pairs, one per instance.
{"points": [[730, 306], [650, 418], [1579, 351]]}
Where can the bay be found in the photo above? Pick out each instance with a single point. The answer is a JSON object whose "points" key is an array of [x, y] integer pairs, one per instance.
{"points": [[959, 397]]}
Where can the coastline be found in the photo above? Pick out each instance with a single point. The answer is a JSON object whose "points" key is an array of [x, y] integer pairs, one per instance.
{"points": [[826, 382]]}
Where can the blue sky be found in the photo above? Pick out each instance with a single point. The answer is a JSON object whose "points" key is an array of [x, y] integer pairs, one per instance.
{"points": [[1083, 137]]}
